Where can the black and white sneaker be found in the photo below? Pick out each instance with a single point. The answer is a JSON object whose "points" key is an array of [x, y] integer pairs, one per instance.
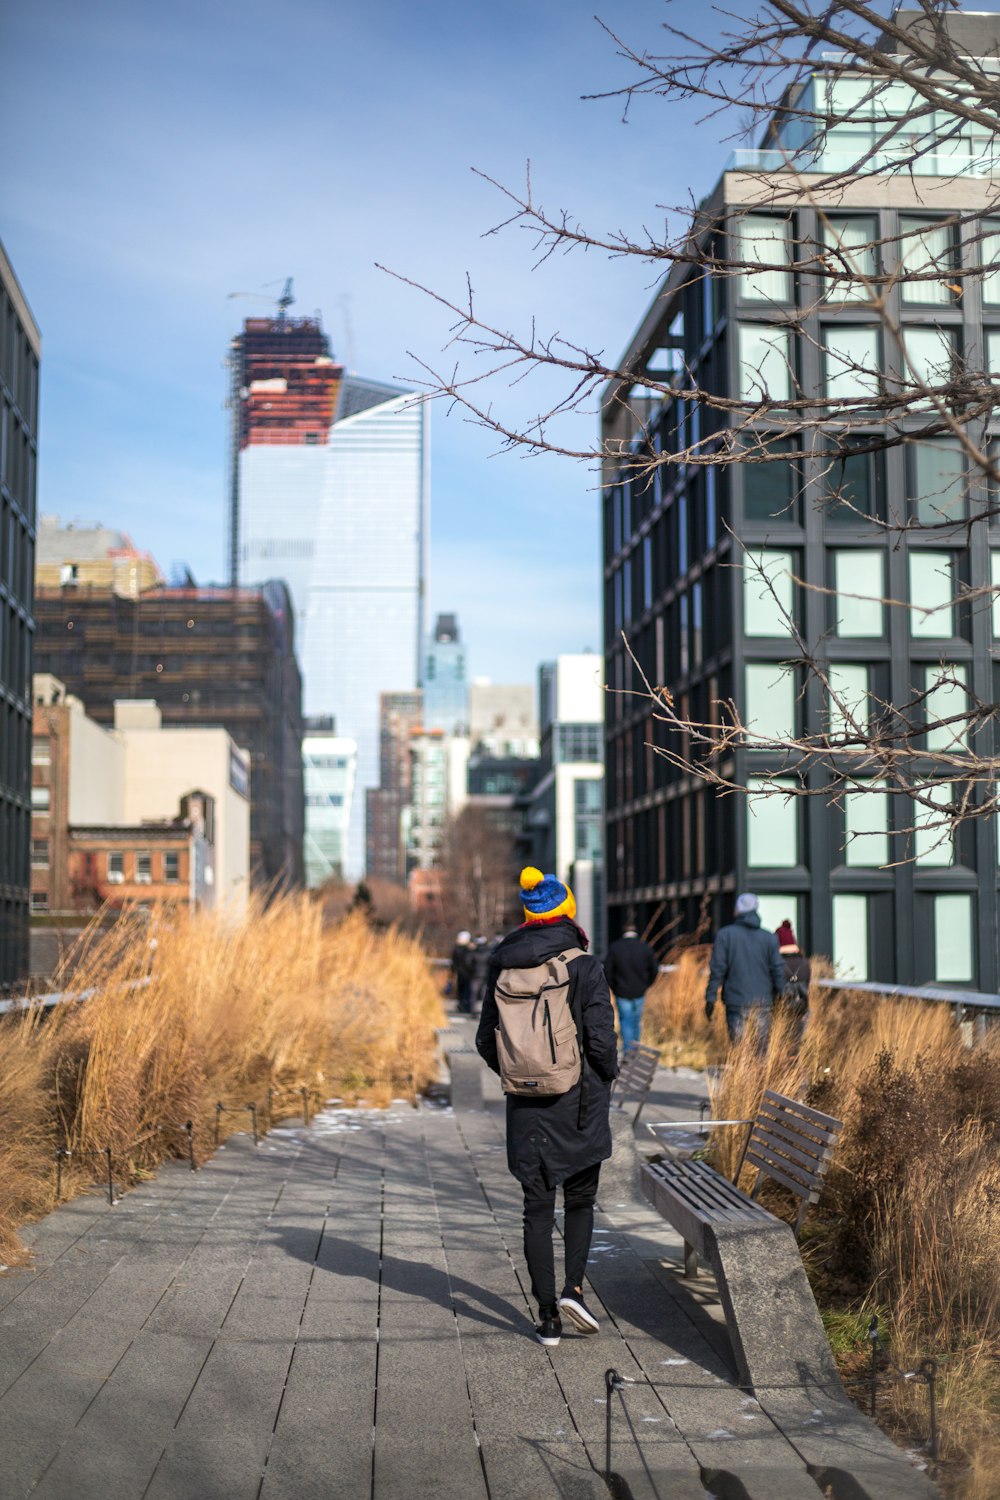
{"points": [[549, 1330], [572, 1304]]}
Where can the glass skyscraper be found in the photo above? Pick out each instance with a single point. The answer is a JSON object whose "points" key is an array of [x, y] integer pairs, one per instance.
{"points": [[330, 493], [446, 692]]}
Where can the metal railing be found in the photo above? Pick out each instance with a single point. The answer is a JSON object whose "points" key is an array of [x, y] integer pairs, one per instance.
{"points": [[962, 1000]]}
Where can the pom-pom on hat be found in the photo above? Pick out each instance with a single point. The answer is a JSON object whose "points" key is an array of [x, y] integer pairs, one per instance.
{"points": [[544, 898]]}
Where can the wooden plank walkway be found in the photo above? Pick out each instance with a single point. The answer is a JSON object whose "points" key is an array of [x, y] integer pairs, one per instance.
{"points": [[343, 1313]]}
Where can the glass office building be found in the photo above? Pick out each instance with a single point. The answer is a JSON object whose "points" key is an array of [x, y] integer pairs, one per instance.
{"points": [[329, 492], [695, 604], [446, 692], [328, 765], [20, 350]]}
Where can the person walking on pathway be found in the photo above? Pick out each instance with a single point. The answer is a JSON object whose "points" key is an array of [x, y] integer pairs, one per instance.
{"points": [[746, 964], [461, 968], [547, 1028], [482, 951], [798, 975], [630, 967]]}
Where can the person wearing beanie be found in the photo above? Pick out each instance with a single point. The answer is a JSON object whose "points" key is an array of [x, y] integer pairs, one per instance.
{"points": [[748, 968], [557, 1140], [461, 970], [798, 974], [631, 965]]}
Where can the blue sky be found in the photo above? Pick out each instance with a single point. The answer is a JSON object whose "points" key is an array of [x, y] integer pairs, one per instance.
{"points": [[158, 158]]}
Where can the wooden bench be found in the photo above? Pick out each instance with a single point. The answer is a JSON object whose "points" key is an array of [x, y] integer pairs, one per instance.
{"points": [[635, 1079], [766, 1298]]}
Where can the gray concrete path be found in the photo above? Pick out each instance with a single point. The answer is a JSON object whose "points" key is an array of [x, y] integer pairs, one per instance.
{"points": [[343, 1314]]}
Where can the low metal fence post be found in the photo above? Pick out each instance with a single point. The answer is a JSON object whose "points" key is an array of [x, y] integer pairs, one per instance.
{"points": [[253, 1114], [305, 1106], [111, 1184], [928, 1372], [218, 1116], [61, 1151], [189, 1127], [873, 1336]]}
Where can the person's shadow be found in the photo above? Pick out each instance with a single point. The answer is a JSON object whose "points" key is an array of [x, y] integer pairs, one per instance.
{"points": [[416, 1278]]}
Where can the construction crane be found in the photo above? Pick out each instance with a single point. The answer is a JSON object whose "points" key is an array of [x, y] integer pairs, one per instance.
{"points": [[284, 302]]}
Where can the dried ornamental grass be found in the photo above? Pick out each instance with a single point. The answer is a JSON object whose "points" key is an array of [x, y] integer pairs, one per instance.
{"points": [[194, 1009]]}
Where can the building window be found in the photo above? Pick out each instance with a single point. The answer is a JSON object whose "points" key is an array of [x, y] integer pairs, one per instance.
{"points": [[932, 593], [771, 488], [763, 239], [850, 486], [116, 867], [41, 798], [850, 361], [767, 592], [935, 481], [926, 246], [40, 853], [772, 825], [933, 845], [866, 826], [777, 907], [850, 936], [848, 698], [944, 700], [143, 867], [765, 363], [989, 256], [39, 901], [770, 701], [171, 865], [953, 945], [849, 252], [859, 585], [41, 750], [930, 356]]}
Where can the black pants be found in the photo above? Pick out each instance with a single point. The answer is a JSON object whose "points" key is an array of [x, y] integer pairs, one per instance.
{"points": [[579, 1192]]}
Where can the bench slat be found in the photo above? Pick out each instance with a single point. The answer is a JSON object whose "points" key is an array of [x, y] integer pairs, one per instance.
{"points": [[788, 1131], [769, 1143], [699, 1183], [823, 1127], [809, 1194]]}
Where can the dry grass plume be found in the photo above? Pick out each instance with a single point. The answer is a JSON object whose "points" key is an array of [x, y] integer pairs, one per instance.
{"points": [[194, 1009]]}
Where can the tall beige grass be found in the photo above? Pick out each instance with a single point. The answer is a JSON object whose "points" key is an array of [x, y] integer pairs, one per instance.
{"points": [[190, 1010], [909, 1221]]}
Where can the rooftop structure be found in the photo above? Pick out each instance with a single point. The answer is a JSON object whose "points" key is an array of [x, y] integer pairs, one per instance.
{"points": [[92, 554]]}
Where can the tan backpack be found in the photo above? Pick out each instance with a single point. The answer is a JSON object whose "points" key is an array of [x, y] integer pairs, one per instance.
{"points": [[537, 1042]]}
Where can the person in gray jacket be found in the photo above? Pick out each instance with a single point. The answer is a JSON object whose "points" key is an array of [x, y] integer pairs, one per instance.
{"points": [[747, 963]]}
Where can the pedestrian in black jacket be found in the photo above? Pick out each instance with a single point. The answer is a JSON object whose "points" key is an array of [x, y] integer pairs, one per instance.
{"points": [[798, 976], [630, 966], [746, 963], [557, 1140]]}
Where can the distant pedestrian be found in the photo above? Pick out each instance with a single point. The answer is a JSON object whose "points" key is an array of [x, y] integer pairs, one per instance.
{"points": [[547, 1028], [798, 974], [747, 965], [461, 971], [481, 951], [630, 966]]}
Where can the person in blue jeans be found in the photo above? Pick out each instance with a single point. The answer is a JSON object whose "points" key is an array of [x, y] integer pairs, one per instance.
{"points": [[747, 964], [630, 968]]}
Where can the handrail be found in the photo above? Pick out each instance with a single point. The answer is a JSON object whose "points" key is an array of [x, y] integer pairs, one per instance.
{"points": [[963, 999]]}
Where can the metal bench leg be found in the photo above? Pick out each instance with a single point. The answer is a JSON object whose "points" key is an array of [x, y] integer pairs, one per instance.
{"points": [[690, 1260]]}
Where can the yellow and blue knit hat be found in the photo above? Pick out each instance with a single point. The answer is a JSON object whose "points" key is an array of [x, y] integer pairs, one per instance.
{"points": [[543, 897]]}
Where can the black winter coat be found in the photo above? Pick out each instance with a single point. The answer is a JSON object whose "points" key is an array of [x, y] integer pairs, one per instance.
{"points": [[746, 962], [631, 967], [547, 1140]]}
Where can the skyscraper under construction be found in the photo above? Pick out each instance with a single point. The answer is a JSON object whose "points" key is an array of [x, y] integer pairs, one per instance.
{"points": [[329, 492]]}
